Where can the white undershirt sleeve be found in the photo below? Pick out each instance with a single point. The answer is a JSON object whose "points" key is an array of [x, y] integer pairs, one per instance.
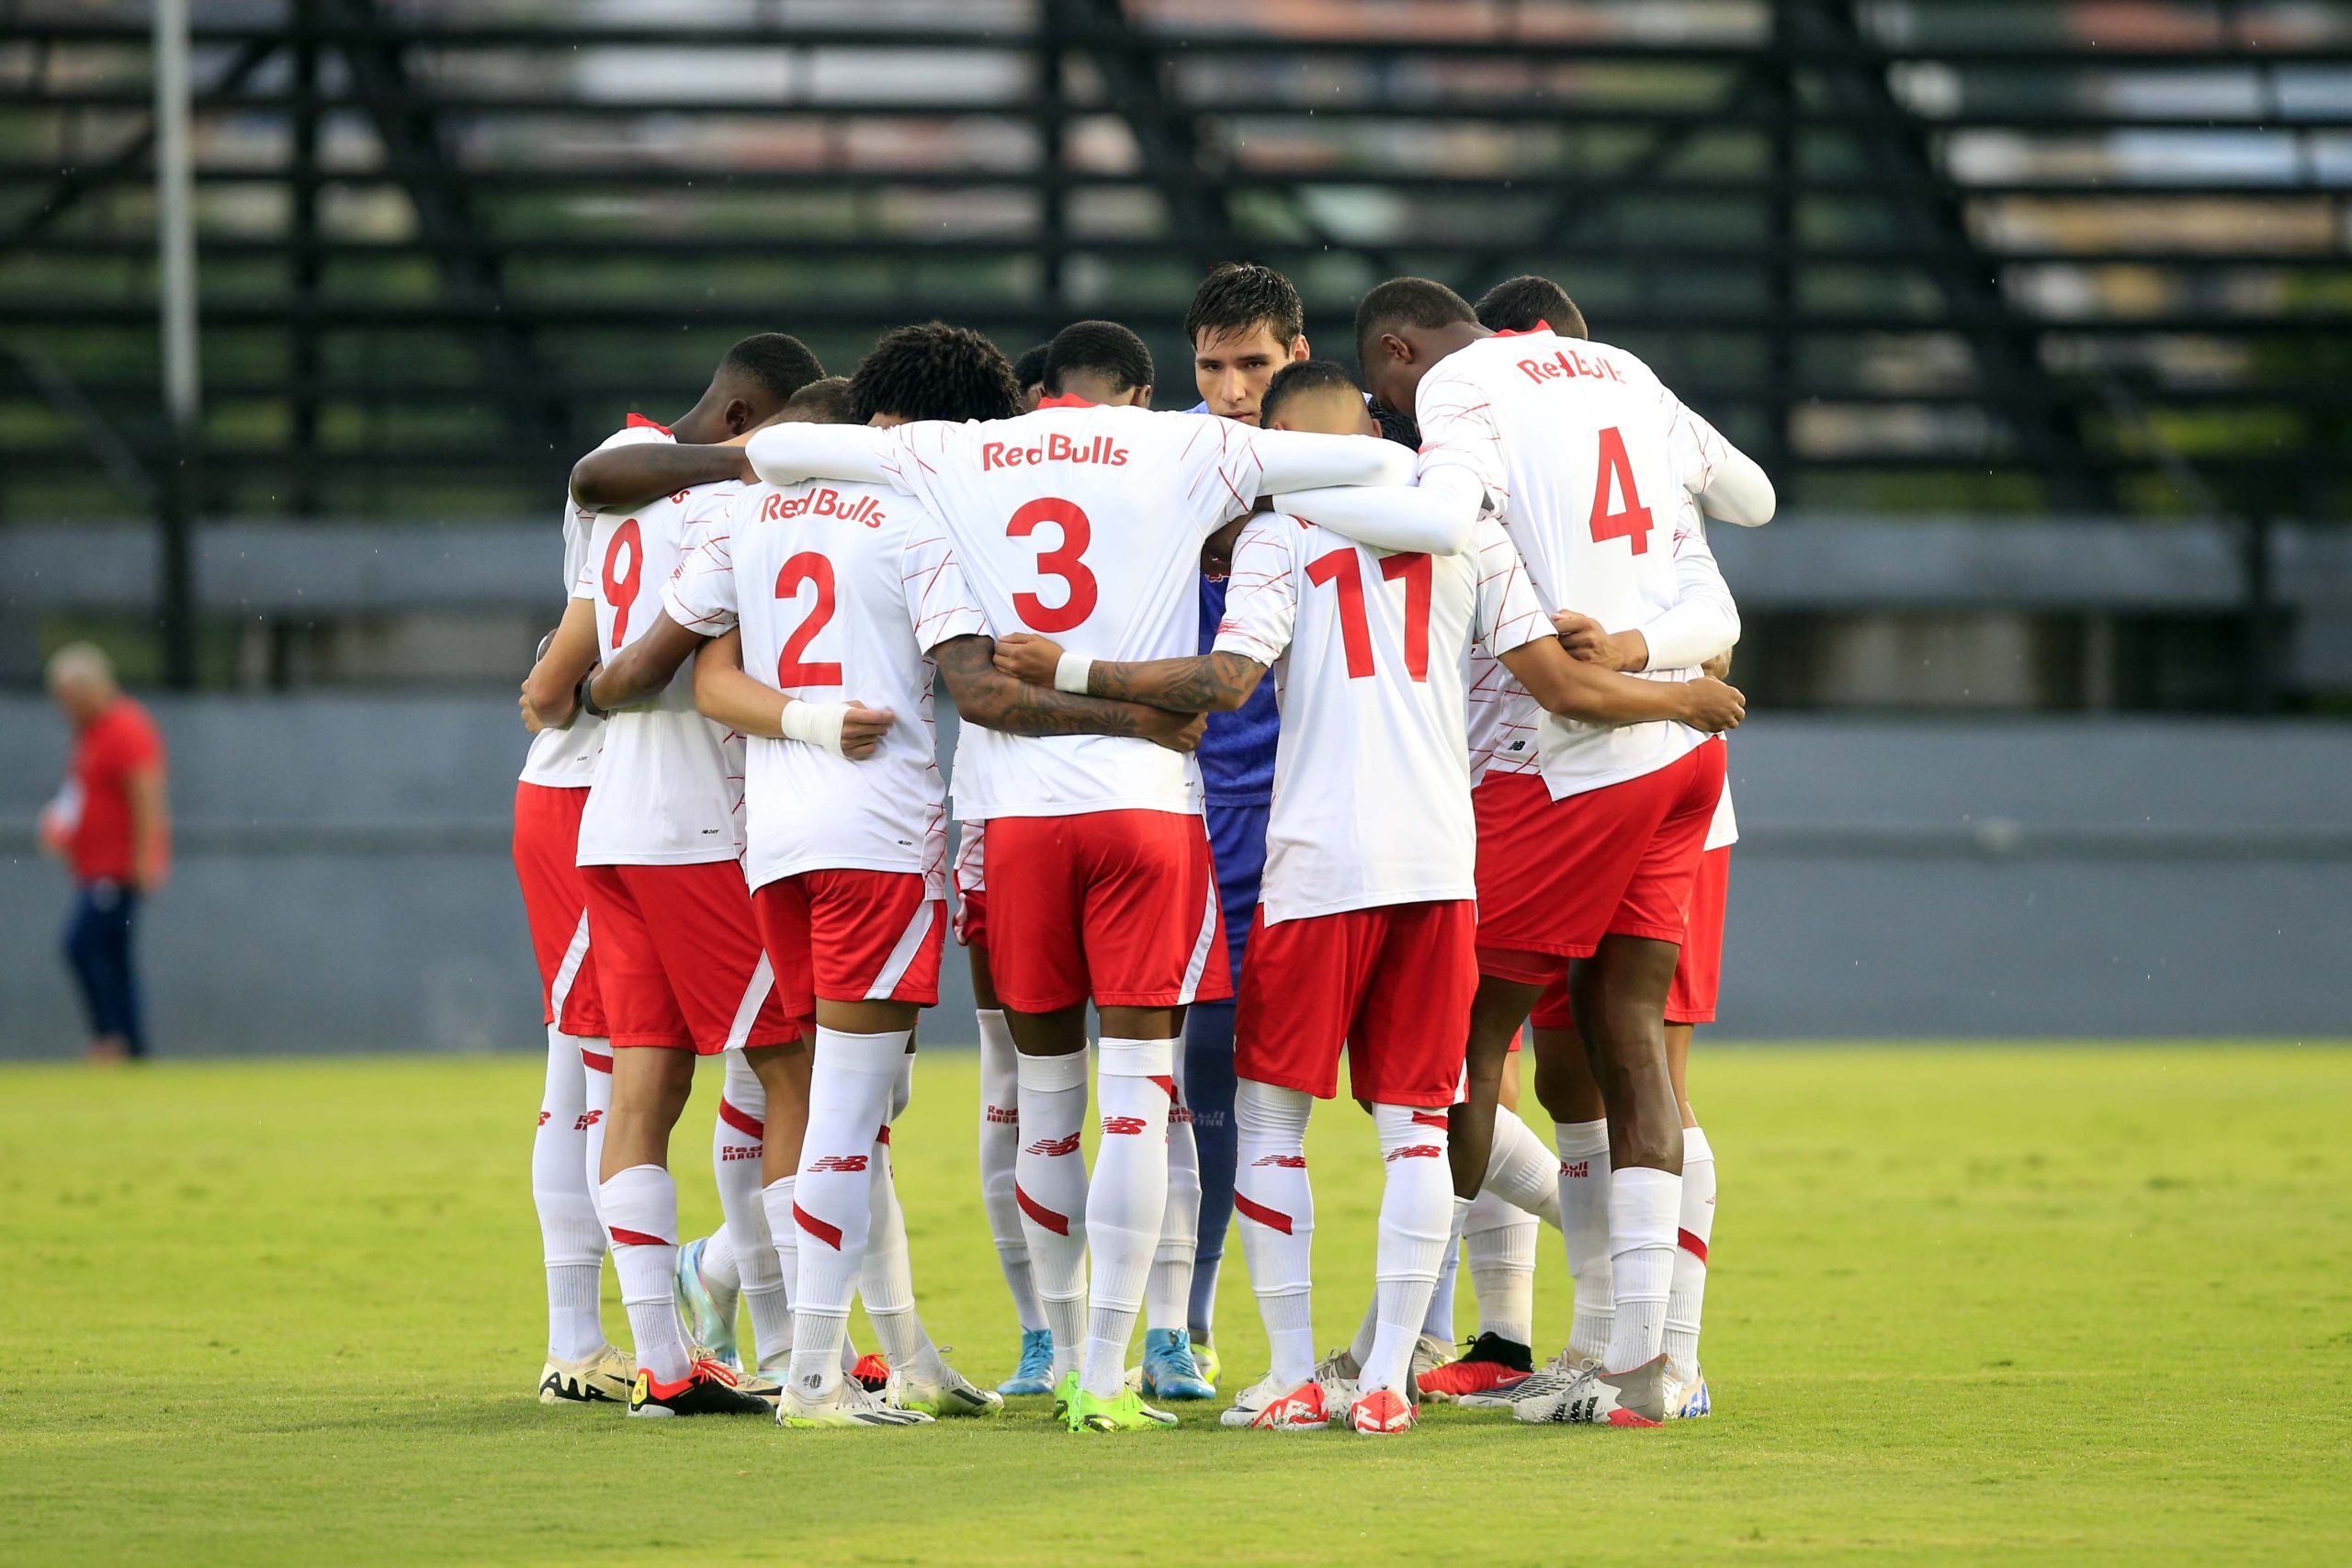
{"points": [[1433, 517], [785, 455], [1704, 620]]}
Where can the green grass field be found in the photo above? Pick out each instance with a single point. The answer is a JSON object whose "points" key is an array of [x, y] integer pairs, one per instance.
{"points": [[2074, 1304]]}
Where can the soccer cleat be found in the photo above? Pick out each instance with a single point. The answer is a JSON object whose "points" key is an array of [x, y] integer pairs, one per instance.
{"points": [[706, 1323], [1603, 1399], [1204, 1357], [601, 1379], [1268, 1407], [1549, 1378], [1065, 1391], [1687, 1401], [1127, 1413], [850, 1404], [1169, 1370], [1338, 1372], [759, 1385], [1430, 1353], [948, 1393], [707, 1389], [1492, 1362], [872, 1372], [1382, 1413], [1036, 1372]]}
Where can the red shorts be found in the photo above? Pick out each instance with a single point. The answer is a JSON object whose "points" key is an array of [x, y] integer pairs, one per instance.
{"points": [[851, 936], [1119, 906], [547, 846], [1555, 876], [971, 889], [1691, 999], [680, 959], [1391, 984]]}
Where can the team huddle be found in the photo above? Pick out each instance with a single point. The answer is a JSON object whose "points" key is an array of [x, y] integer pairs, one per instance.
{"points": [[1480, 800]]}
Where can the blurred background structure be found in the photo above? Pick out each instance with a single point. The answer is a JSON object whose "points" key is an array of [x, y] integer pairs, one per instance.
{"points": [[2040, 314]]}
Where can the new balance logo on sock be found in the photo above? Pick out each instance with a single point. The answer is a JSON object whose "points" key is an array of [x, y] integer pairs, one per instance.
{"points": [[1000, 1116], [1130, 1125], [543, 1117], [1416, 1151], [588, 1120], [1282, 1162], [740, 1151], [847, 1164], [1050, 1146], [1575, 1170]]}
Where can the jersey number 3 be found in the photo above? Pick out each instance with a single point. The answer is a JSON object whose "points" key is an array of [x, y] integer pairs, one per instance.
{"points": [[791, 673], [1356, 632], [1616, 476], [1065, 560]]}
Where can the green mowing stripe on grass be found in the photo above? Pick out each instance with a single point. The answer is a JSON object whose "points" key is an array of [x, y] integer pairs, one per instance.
{"points": [[2090, 1304]]}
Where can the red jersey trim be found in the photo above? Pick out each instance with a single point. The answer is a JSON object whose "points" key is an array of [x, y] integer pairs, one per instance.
{"points": [[1065, 400], [1527, 332], [639, 422]]}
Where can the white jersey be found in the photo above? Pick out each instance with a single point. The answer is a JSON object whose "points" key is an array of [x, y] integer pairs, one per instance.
{"points": [[669, 782], [1371, 779], [566, 757], [1586, 458], [842, 591], [1084, 523]]}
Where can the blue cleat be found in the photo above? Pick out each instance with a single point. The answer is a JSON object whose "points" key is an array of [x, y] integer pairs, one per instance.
{"points": [[707, 1324], [1169, 1370], [1036, 1372]]}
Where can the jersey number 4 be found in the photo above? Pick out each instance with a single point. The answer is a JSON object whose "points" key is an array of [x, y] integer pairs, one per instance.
{"points": [[1339, 568], [1065, 560], [1616, 476], [791, 673]]}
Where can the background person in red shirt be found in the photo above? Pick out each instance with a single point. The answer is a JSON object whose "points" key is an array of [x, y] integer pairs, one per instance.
{"points": [[111, 825]]}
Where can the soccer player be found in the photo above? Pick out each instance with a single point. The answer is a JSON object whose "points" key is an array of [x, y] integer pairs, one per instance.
{"points": [[1086, 518], [1595, 859], [845, 856], [1029, 375], [678, 966], [1365, 937], [1566, 1090]]}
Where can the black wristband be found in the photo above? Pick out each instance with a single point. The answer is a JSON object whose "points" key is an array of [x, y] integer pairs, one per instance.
{"points": [[587, 701]]}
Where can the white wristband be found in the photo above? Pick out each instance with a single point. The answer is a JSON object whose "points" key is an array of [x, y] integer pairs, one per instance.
{"points": [[818, 724], [1070, 673]]}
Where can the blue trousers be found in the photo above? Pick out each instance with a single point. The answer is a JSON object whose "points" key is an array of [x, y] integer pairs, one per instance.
{"points": [[98, 949], [1239, 834]]}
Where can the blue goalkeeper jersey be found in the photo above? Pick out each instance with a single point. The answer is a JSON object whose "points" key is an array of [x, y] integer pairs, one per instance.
{"points": [[1236, 755]]}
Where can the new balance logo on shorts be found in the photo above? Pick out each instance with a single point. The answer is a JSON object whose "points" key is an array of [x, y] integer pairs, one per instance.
{"points": [[847, 1164], [1575, 1170], [1282, 1162], [1051, 1146], [1130, 1125], [1416, 1151]]}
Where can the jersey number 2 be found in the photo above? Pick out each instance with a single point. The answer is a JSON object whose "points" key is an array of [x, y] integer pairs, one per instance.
{"points": [[1065, 560], [790, 673], [1616, 475], [1356, 632], [620, 592]]}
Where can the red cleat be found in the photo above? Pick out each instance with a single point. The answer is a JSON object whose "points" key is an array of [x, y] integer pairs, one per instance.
{"points": [[1383, 1413], [872, 1372], [1491, 1365]]}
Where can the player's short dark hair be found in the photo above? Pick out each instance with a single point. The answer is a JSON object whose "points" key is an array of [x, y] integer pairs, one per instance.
{"points": [[777, 361], [828, 401], [933, 371], [1401, 428], [1029, 370], [1411, 302], [1523, 303], [1238, 296], [1106, 348], [1303, 378]]}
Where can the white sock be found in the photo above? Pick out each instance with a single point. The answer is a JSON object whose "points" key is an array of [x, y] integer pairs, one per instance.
{"points": [[1274, 1207], [1643, 1208], [1419, 1220], [1126, 1201], [596, 1065], [783, 1243], [1438, 1323], [1689, 1290], [1520, 1170], [1168, 1298], [1050, 1188], [740, 1255], [1500, 1240], [1584, 1226], [572, 1240], [887, 1282], [1000, 1147], [640, 1206], [850, 1079]]}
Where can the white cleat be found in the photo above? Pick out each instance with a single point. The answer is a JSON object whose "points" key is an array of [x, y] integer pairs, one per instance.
{"points": [[1686, 1397], [939, 1390], [601, 1379], [849, 1404], [1268, 1405], [1596, 1398], [1551, 1378], [1430, 1353]]}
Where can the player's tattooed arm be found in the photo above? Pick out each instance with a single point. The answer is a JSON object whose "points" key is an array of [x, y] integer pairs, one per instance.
{"points": [[1574, 689], [994, 699], [1208, 683], [615, 477], [548, 700]]}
